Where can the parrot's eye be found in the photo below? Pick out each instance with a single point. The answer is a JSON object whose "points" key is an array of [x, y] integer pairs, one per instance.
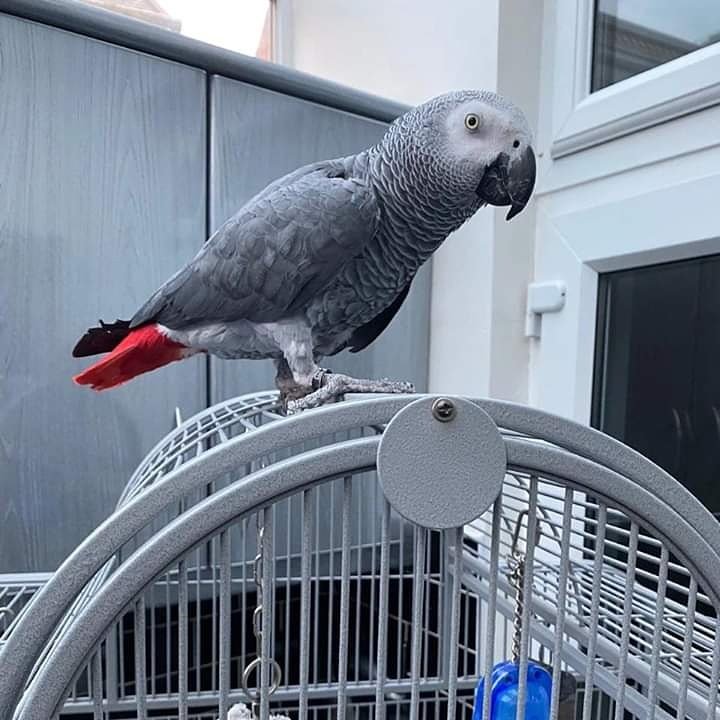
{"points": [[472, 122]]}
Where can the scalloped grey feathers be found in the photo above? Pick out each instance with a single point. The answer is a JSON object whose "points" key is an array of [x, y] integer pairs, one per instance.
{"points": [[274, 255]]}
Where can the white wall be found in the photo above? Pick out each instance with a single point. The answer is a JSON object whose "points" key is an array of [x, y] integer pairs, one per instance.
{"points": [[637, 190], [407, 50], [411, 51], [519, 51]]}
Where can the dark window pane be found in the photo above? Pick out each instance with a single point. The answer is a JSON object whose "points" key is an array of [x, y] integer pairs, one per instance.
{"points": [[632, 36], [657, 382]]}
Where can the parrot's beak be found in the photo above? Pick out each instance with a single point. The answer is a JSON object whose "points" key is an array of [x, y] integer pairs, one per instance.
{"points": [[509, 182]]}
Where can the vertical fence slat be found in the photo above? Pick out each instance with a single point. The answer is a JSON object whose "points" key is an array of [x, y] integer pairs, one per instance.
{"points": [[657, 632], [244, 593], [715, 672], [527, 598], [123, 690], [452, 639], [305, 598], [417, 615], [214, 633], [182, 642], [288, 556], [97, 684], [562, 597], [627, 617], [427, 589], [358, 583], [687, 648], [153, 638], [140, 663], [168, 638], [383, 612], [594, 610], [331, 575], [399, 640], [198, 620], [316, 611], [374, 554], [112, 672], [268, 571], [492, 605], [225, 622], [344, 598]]}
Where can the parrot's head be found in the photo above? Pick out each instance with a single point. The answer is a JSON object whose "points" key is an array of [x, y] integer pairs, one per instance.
{"points": [[476, 145]]}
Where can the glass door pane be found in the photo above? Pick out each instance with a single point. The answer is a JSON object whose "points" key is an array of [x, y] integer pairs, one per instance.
{"points": [[657, 377]]}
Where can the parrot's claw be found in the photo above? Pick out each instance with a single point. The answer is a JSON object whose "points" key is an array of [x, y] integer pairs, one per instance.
{"points": [[335, 385]]}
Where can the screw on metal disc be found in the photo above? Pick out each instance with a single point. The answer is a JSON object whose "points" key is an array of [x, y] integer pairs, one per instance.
{"points": [[443, 410], [440, 474]]}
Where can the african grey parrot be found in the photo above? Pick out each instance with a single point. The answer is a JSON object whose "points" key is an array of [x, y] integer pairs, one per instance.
{"points": [[322, 259]]}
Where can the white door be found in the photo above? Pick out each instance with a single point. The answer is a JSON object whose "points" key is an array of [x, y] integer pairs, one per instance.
{"points": [[629, 173]]}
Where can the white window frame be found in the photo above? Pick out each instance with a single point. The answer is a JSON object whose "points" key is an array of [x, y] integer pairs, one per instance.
{"points": [[582, 120], [610, 197]]}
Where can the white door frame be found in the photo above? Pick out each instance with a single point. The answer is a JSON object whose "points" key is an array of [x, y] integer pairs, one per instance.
{"points": [[628, 176]]}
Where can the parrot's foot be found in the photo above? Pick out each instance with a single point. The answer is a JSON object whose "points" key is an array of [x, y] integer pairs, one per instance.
{"points": [[334, 385]]}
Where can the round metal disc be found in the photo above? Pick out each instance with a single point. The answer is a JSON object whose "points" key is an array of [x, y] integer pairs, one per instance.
{"points": [[441, 462]]}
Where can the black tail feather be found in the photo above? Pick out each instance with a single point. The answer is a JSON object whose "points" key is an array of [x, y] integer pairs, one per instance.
{"points": [[101, 339]]}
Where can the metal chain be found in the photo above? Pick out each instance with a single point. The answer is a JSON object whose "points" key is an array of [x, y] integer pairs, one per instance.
{"points": [[517, 580], [254, 695]]}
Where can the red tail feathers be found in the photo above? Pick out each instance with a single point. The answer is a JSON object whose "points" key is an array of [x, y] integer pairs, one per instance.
{"points": [[144, 349]]}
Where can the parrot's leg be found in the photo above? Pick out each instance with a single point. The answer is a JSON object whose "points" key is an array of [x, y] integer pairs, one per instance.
{"points": [[289, 388], [303, 384], [334, 385], [296, 369]]}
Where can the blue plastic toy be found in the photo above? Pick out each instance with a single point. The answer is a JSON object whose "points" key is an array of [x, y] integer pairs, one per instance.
{"points": [[504, 682]]}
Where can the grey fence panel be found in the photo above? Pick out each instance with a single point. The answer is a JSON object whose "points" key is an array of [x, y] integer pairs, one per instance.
{"points": [[102, 196], [122, 30], [258, 135]]}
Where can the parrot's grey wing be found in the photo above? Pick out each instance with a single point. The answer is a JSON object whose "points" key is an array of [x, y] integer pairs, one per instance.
{"points": [[274, 255], [368, 333]]}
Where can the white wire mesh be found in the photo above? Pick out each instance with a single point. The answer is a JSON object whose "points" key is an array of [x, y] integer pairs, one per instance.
{"points": [[16, 591]]}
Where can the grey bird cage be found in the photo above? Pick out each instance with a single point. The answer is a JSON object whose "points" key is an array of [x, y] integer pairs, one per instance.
{"points": [[374, 559]]}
